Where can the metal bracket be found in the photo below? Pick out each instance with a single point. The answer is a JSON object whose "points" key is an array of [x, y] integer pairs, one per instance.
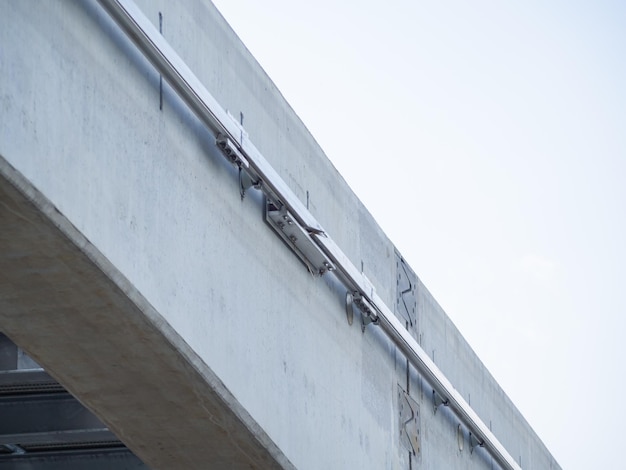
{"points": [[366, 320], [298, 238], [474, 442], [231, 152], [246, 182], [406, 300], [438, 400], [368, 312], [409, 422]]}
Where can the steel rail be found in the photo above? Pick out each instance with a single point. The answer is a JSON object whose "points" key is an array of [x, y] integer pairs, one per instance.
{"points": [[164, 58]]}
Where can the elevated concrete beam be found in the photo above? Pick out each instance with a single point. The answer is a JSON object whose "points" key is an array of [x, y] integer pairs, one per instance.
{"points": [[58, 293]]}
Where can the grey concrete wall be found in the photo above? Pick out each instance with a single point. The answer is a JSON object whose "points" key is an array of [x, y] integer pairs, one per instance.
{"points": [[81, 121]]}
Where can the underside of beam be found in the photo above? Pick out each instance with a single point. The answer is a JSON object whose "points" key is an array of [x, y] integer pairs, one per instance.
{"points": [[58, 293]]}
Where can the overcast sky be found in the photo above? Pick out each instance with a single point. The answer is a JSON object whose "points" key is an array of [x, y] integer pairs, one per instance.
{"points": [[487, 139]]}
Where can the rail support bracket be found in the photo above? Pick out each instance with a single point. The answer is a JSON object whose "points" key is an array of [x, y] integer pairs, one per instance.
{"points": [[474, 442], [438, 400]]}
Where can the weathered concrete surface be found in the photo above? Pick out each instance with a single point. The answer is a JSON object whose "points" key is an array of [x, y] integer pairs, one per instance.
{"points": [[148, 191], [87, 324]]}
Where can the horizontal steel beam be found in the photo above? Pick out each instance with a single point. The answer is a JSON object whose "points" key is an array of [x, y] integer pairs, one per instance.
{"points": [[27, 381], [74, 438], [46, 413], [101, 459], [147, 38]]}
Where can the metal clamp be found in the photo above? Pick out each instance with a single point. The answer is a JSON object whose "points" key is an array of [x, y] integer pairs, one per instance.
{"points": [[474, 442], [230, 150], [368, 312], [438, 400], [246, 182]]}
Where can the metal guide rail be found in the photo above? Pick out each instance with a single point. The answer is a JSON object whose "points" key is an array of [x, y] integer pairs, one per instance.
{"points": [[290, 218]]}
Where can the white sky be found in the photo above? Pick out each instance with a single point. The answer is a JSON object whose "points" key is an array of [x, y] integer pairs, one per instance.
{"points": [[487, 139]]}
